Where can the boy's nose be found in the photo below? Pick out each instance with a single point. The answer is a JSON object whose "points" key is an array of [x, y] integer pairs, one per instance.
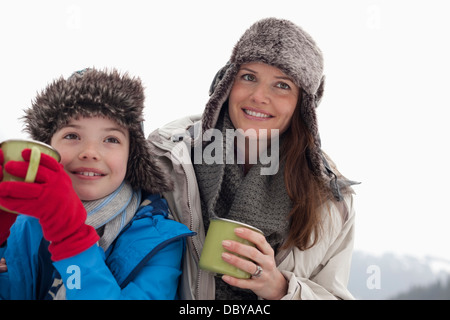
{"points": [[90, 152]]}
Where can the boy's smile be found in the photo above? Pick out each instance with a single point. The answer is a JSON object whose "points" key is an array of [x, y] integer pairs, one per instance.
{"points": [[88, 173], [94, 152]]}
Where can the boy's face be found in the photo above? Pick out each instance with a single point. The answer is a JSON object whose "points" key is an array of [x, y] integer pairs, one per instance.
{"points": [[94, 152]]}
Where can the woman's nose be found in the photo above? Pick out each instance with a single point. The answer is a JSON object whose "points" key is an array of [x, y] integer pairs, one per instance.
{"points": [[260, 94]]}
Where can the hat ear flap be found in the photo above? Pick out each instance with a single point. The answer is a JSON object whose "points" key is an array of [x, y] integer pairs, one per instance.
{"points": [[319, 92], [218, 77], [219, 92], [308, 105]]}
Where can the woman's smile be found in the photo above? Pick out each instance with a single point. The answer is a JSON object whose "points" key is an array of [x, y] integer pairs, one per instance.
{"points": [[255, 114]]}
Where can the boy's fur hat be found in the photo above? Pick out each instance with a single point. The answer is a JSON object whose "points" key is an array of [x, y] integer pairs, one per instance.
{"points": [[90, 93]]}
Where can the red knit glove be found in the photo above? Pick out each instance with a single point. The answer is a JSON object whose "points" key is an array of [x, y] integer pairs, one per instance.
{"points": [[6, 219], [52, 200]]}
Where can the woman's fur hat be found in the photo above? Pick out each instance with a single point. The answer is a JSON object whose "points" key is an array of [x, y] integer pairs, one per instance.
{"points": [[282, 44], [90, 93]]}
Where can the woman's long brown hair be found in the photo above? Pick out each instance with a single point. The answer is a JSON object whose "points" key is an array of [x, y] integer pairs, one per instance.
{"points": [[303, 187]]}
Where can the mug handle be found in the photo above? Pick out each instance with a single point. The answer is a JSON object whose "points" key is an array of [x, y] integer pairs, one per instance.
{"points": [[35, 158]]}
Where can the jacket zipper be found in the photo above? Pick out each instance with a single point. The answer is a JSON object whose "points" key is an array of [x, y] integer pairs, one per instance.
{"points": [[197, 288], [149, 255]]}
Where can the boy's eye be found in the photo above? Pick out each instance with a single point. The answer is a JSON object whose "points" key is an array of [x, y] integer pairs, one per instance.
{"points": [[112, 140], [71, 136]]}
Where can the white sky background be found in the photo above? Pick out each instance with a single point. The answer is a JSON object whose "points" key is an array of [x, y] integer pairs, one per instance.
{"points": [[383, 118]]}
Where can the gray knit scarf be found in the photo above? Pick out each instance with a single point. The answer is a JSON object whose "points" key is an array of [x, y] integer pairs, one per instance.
{"points": [[254, 199], [108, 215]]}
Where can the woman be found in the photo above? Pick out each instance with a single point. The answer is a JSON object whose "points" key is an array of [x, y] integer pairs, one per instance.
{"points": [[270, 88]]}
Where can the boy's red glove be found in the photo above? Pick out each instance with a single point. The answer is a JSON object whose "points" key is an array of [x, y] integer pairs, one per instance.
{"points": [[6, 219], [52, 200]]}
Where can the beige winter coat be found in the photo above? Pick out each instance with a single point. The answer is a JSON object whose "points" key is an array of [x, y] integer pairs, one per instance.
{"points": [[321, 272]]}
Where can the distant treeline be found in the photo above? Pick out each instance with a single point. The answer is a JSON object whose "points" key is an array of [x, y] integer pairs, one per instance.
{"points": [[439, 290]]}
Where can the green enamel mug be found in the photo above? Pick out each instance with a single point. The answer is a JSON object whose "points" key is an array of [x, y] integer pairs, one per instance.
{"points": [[12, 150], [211, 256]]}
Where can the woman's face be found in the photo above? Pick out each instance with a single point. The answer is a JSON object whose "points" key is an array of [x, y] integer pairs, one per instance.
{"points": [[262, 97]]}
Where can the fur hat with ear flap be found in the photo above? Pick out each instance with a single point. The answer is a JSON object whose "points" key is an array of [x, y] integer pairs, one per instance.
{"points": [[284, 45], [90, 93]]}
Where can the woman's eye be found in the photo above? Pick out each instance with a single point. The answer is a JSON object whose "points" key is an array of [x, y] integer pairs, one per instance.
{"points": [[112, 140], [283, 85], [71, 136], [249, 77]]}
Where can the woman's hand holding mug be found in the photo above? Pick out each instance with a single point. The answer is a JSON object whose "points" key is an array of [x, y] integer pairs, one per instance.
{"points": [[267, 281]]}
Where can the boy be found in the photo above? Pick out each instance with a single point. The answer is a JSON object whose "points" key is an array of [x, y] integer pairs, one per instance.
{"points": [[93, 226]]}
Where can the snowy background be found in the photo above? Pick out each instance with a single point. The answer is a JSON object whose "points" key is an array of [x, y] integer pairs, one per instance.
{"points": [[383, 118]]}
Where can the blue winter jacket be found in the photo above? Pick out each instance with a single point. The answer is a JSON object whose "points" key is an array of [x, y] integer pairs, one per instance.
{"points": [[144, 262]]}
